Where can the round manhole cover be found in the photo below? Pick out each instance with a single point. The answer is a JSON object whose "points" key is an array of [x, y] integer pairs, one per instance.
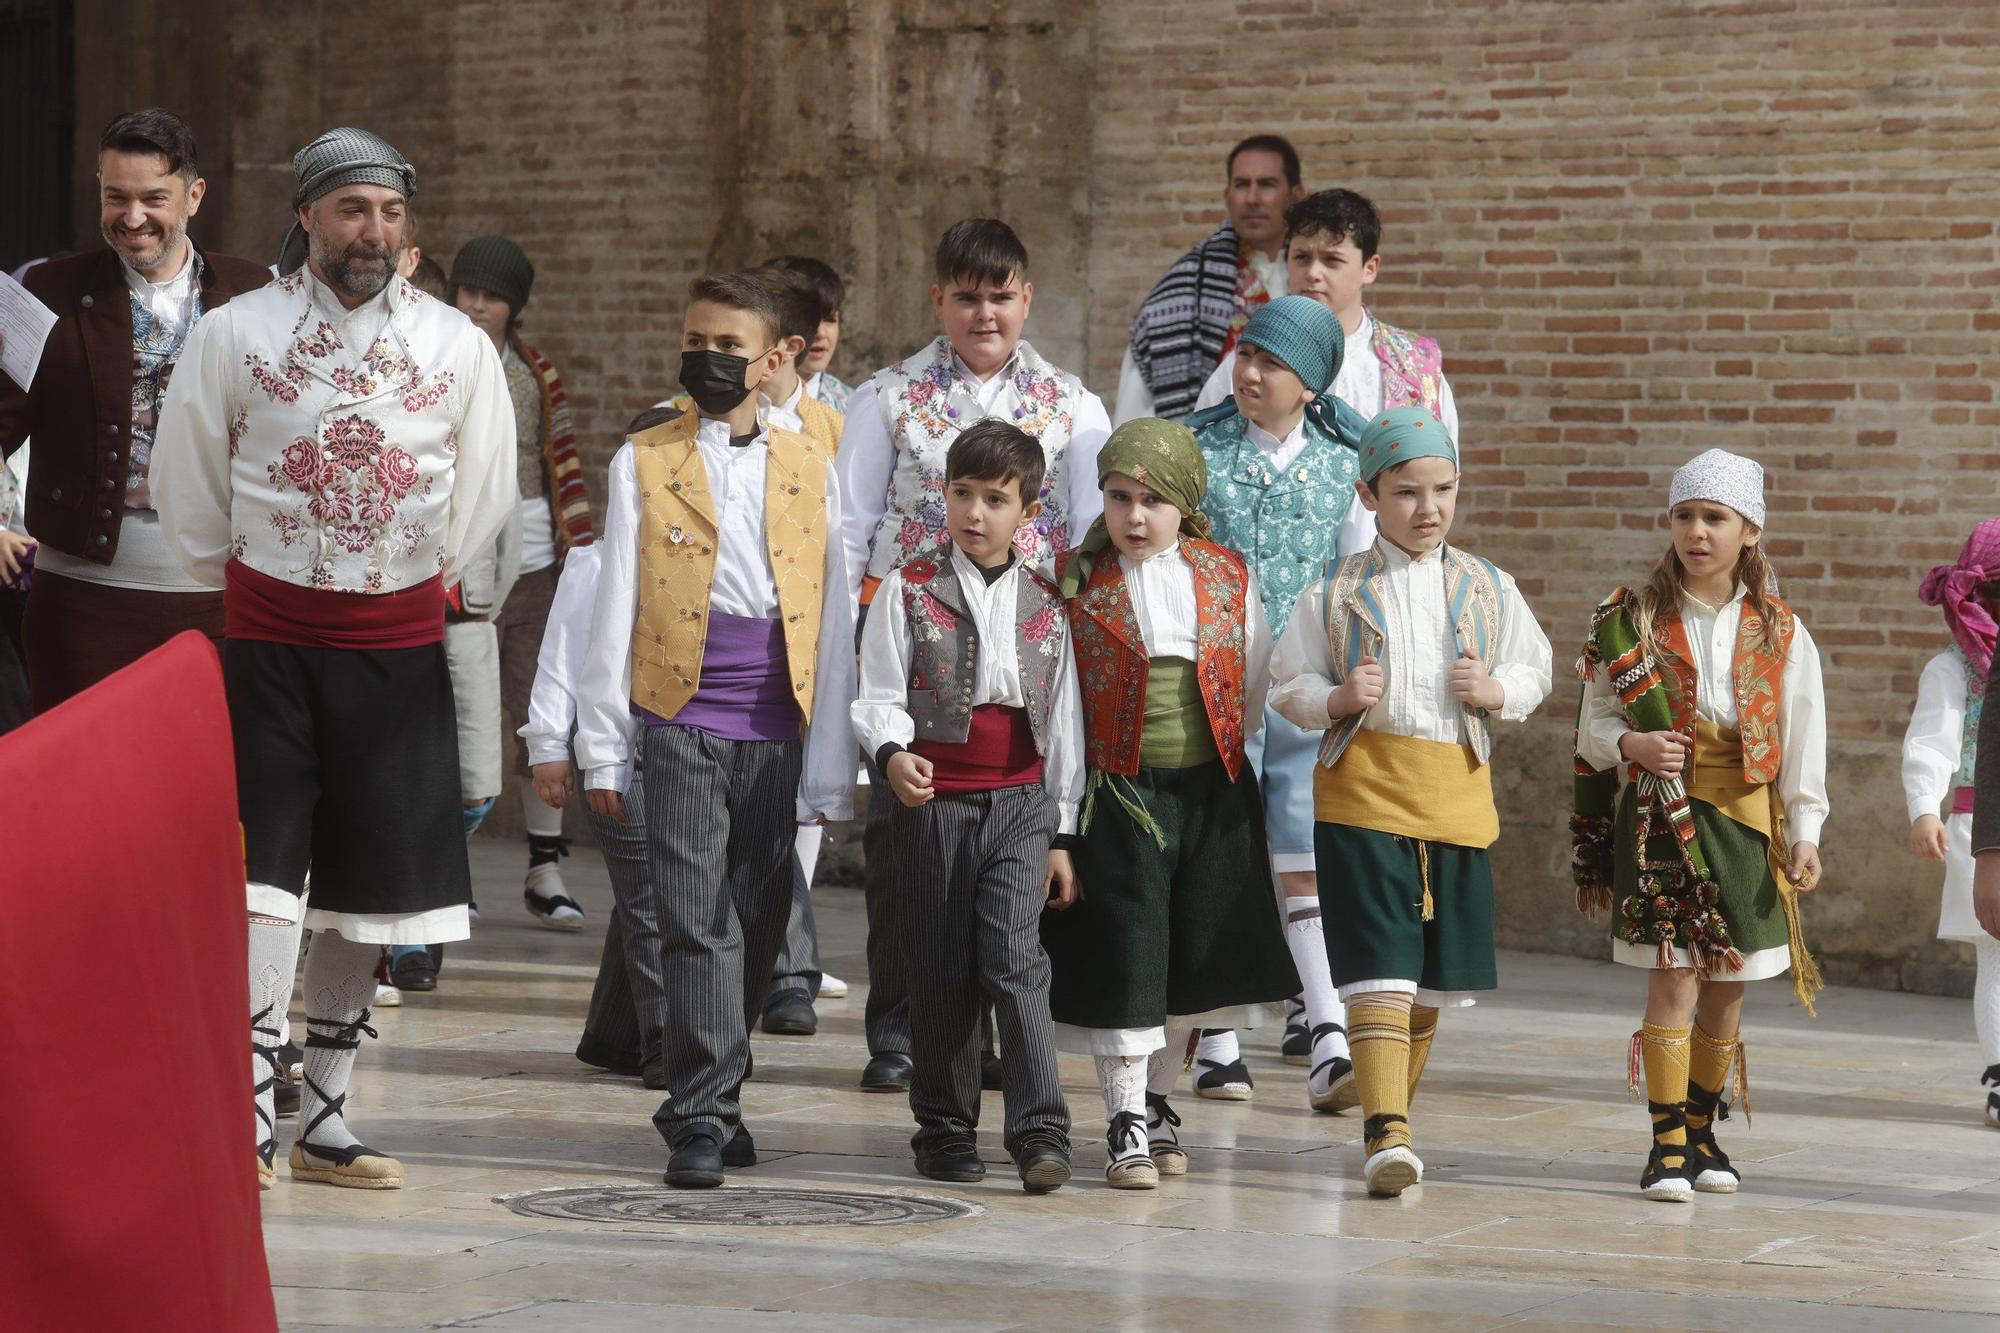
{"points": [[746, 1206]]}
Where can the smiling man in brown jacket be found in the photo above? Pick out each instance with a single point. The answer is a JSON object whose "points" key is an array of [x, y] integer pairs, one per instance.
{"points": [[107, 590]]}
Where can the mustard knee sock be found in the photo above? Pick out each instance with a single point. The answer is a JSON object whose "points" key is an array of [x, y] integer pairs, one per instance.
{"points": [[1379, 1035], [1663, 1054], [1423, 1027]]}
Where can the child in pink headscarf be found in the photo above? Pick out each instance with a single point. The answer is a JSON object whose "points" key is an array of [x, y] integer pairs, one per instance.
{"points": [[1938, 758]]}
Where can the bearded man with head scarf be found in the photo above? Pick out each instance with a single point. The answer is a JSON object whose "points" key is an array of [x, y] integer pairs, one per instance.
{"points": [[333, 445]]}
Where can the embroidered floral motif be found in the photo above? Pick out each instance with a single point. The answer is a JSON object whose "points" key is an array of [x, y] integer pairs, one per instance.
{"points": [[1756, 673], [282, 387], [1041, 628], [238, 424], [427, 396], [321, 343], [930, 620], [353, 482]]}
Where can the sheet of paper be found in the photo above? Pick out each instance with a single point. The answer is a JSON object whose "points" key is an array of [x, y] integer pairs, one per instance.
{"points": [[24, 328]]}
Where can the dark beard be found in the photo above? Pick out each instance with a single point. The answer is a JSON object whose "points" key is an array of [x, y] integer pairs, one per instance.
{"points": [[343, 272]]}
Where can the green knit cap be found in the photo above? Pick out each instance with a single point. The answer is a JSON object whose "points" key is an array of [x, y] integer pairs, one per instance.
{"points": [[495, 264]]}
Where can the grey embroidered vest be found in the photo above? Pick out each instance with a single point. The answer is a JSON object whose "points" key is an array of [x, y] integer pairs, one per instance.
{"points": [[944, 650]]}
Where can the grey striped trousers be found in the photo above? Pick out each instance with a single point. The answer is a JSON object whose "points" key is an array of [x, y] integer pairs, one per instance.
{"points": [[969, 873], [720, 819], [628, 1005]]}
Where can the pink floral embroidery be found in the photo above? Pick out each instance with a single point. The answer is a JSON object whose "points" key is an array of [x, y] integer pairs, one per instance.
{"points": [[353, 383], [428, 396], [288, 527], [1041, 626], [354, 482], [321, 343], [285, 390], [944, 616], [238, 425]]}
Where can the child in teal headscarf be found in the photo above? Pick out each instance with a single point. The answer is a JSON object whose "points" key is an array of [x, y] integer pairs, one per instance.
{"points": [[1281, 458]]}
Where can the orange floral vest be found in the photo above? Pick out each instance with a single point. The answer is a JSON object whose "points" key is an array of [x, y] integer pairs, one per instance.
{"points": [[1112, 664], [1758, 673]]}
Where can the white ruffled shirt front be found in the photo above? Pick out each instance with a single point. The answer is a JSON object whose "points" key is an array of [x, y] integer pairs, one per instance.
{"points": [[1162, 591]]}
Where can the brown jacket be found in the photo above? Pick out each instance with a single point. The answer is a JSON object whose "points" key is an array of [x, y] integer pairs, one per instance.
{"points": [[80, 409]]}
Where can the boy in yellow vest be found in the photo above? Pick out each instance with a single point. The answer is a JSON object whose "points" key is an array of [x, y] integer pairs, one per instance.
{"points": [[721, 634], [1404, 655]]}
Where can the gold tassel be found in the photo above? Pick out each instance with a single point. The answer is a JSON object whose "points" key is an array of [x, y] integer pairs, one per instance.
{"points": [[1193, 1044], [1743, 1077], [1632, 1063], [1424, 870], [1806, 980]]}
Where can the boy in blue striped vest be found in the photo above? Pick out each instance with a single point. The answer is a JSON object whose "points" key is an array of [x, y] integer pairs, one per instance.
{"points": [[1404, 655]]}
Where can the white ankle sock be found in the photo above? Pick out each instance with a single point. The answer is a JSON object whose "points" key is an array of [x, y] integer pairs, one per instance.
{"points": [[1986, 998], [339, 984], [1219, 1046], [1122, 1078], [1164, 1066], [1305, 935], [807, 845], [274, 956]]}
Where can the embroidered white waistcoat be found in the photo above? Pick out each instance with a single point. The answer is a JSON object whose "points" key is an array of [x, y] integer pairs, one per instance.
{"points": [[926, 401], [348, 464]]}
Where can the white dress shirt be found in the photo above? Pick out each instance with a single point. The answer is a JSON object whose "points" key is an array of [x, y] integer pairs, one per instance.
{"points": [[1162, 591], [1711, 634], [867, 462], [1417, 655], [1357, 530], [559, 662], [743, 586], [169, 300], [1359, 383], [881, 708], [1933, 745], [1135, 396]]}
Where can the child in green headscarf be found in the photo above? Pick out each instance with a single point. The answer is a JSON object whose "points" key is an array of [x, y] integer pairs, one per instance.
{"points": [[1177, 928]]}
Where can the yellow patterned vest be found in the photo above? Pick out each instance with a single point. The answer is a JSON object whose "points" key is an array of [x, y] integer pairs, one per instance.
{"points": [[823, 424], [677, 541]]}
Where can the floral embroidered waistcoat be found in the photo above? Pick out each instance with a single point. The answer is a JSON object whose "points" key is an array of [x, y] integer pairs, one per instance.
{"points": [[945, 648], [678, 536], [342, 459], [1112, 663], [1412, 368], [925, 403], [155, 348], [1356, 622], [1756, 675], [1975, 700], [1286, 523]]}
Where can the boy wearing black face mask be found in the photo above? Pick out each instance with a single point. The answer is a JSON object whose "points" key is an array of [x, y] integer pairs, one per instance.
{"points": [[721, 633]]}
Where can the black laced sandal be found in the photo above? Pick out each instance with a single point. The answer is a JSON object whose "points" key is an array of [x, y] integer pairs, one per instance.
{"points": [[1709, 1164], [1343, 1090], [1130, 1166], [1393, 1168], [1297, 1047], [267, 1125], [1667, 1176], [1992, 1078], [1169, 1158], [356, 1166]]}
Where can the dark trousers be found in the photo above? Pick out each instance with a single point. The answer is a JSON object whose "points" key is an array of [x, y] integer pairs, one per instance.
{"points": [[75, 633], [628, 1005], [887, 1016], [969, 877], [720, 816], [798, 961]]}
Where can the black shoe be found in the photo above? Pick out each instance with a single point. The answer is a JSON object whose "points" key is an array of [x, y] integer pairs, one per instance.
{"points": [[954, 1160], [414, 971], [697, 1160], [654, 1077], [789, 1013], [741, 1150], [1224, 1083], [887, 1072], [990, 1072], [1044, 1165], [600, 1054]]}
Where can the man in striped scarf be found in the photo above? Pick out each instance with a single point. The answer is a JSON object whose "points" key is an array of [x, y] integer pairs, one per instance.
{"points": [[1193, 315], [491, 279]]}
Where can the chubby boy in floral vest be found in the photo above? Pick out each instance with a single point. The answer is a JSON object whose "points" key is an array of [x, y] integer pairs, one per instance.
{"points": [[1405, 655]]}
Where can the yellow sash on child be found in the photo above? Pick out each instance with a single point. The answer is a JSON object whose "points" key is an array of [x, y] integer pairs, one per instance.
{"points": [[1433, 791], [1717, 778]]}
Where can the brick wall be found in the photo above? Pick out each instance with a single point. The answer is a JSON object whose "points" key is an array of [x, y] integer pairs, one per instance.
{"points": [[1638, 229]]}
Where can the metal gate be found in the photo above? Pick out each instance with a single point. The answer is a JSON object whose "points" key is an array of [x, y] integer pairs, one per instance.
{"points": [[37, 127]]}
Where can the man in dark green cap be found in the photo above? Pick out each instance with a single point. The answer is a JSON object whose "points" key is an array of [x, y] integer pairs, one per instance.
{"points": [[491, 280]]}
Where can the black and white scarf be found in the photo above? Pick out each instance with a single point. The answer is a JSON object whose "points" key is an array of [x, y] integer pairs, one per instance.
{"points": [[1182, 326]]}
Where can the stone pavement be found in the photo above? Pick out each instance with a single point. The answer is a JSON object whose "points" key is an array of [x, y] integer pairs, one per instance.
{"points": [[1872, 1194]]}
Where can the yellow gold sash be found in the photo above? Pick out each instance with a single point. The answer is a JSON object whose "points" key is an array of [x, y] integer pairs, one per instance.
{"points": [[1432, 791]]}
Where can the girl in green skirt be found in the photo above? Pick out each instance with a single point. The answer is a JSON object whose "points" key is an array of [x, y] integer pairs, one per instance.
{"points": [[1177, 928], [1704, 690]]}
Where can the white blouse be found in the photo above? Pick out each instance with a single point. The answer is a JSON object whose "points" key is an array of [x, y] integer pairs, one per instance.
{"points": [[559, 663], [1162, 591], [881, 708], [1711, 633], [1418, 652], [1933, 744]]}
